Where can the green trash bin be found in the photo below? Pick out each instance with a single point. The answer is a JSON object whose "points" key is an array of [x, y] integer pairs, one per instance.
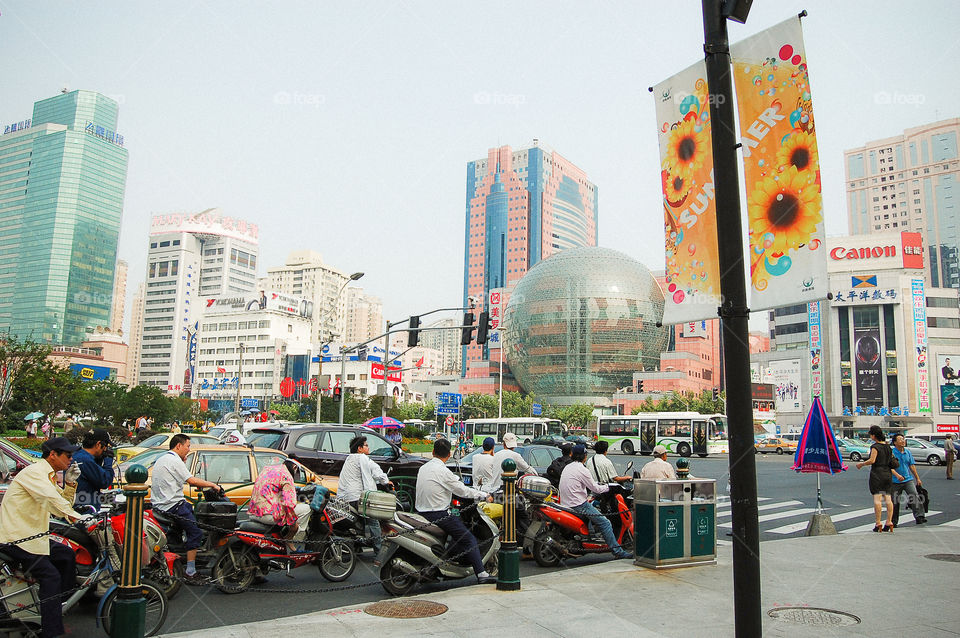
{"points": [[675, 523]]}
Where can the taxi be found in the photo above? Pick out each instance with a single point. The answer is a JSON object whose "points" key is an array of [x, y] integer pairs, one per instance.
{"points": [[233, 467], [160, 440], [775, 444]]}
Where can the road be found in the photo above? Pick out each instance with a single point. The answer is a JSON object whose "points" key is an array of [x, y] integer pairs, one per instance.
{"points": [[786, 501]]}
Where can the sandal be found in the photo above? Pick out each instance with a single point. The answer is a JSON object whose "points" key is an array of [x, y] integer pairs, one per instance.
{"points": [[878, 528], [888, 528]]}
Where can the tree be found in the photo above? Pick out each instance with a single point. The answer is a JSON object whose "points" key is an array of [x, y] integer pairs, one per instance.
{"points": [[48, 388], [578, 416], [17, 357], [684, 402]]}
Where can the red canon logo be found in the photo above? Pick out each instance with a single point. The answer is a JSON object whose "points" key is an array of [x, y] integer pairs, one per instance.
{"points": [[863, 253]]}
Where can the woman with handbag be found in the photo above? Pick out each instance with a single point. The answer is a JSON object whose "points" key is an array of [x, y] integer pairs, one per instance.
{"points": [[881, 462]]}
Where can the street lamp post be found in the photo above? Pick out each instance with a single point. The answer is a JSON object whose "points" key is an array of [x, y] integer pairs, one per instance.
{"points": [[236, 405], [355, 276]]}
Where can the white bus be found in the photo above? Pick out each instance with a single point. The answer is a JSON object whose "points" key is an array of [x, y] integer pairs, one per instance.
{"points": [[682, 433], [527, 428]]}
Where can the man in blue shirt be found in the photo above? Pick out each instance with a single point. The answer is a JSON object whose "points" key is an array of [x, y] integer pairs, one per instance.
{"points": [[905, 479], [96, 467]]}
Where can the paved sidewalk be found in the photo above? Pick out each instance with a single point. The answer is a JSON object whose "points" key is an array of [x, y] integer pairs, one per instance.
{"points": [[883, 579]]}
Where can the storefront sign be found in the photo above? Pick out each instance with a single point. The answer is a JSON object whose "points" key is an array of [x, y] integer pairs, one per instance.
{"points": [[862, 295], [912, 250], [920, 338], [874, 252], [376, 373]]}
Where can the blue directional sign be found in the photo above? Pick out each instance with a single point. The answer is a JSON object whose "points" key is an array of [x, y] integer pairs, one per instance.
{"points": [[449, 403], [249, 403], [537, 409]]}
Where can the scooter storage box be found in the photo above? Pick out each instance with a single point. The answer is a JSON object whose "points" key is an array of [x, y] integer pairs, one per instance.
{"points": [[18, 599], [535, 487], [222, 515], [378, 505]]}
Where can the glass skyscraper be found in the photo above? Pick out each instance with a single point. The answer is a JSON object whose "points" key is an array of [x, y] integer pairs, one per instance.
{"points": [[62, 179]]}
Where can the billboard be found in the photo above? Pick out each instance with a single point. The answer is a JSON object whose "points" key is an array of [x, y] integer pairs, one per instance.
{"points": [[208, 222], [948, 383], [920, 338], [868, 357], [90, 373], [785, 378], [263, 300]]}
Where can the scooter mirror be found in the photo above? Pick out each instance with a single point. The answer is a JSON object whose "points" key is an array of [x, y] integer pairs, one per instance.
{"points": [[629, 466]]}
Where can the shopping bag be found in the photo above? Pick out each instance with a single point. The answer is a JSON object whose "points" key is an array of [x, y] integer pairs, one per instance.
{"points": [[924, 497]]}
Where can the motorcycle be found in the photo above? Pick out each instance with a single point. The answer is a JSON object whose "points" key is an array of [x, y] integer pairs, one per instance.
{"points": [[416, 551], [162, 567], [558, 532], [256, 549], [20, 593]]}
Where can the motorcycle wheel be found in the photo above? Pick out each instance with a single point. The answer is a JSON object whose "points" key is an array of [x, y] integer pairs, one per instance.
{"points": [[543, 551], [337, 561], [396, 581], [234, 570], [169, 583], [156, 608]]}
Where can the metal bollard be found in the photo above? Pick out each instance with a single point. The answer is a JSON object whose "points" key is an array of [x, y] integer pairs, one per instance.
{"points": [[508, 574], [130, 610]]}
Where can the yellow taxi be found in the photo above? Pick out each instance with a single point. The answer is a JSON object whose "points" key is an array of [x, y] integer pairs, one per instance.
{"points": [[775, 444], [233, 467], [160, 440]]}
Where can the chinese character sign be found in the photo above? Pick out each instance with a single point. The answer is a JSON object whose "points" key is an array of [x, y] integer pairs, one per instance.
{"points": [[920, 338], [495, 308], [816, 373], [781, 167]]}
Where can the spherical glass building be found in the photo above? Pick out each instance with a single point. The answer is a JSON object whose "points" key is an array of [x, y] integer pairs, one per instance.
{"points": [[580, 323]]}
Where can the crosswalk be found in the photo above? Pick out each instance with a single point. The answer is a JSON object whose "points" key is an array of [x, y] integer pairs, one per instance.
{"points": [[790, 517]]}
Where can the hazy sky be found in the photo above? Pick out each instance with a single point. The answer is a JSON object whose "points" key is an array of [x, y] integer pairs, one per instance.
{"points": [[346, 127]]}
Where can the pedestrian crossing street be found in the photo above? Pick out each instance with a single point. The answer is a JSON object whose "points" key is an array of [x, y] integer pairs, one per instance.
{"points": [[790, 517]]}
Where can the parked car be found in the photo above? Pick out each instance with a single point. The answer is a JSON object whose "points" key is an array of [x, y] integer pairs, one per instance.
{"points": [[549, 439], [161, 440], [775, 444], [538, 456], [235, 468], [853, 449], [926, 451], [582, 440], [12, 459], [324, 447]]}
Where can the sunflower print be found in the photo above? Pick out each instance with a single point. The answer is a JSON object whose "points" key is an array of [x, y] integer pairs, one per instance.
{"points": [[788, 207], [675, 188], [687, 149], [800, 150]]}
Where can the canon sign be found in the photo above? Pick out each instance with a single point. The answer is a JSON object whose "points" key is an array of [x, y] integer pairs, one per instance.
{"points": [[874, 252]]}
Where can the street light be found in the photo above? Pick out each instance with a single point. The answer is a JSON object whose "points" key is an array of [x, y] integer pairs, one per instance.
{"points": [[355, 276]]}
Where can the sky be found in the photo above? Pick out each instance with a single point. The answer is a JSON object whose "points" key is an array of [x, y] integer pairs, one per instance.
{"points": [[345, 128]]}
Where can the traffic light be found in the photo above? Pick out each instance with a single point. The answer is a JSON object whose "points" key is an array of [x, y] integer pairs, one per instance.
{"points": [[716, 394], [466, 336], [336, 394], [639, 385], [413, 335], [483, 326]]}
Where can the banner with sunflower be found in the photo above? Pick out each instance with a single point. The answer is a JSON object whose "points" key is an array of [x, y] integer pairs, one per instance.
{"points": [[692, 289], [788, 263]]}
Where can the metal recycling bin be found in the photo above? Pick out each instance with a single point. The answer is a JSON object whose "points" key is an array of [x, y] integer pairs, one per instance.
{"points": [[675, 522]]}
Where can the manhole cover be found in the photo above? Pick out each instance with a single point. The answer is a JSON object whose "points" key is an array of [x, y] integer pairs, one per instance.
{"points": [[813, 616], [405, 609], [950, 558]]}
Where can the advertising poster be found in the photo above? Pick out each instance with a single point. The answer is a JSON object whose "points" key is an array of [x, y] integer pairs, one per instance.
{"points": [[815, 345], [692, 288], [788, 261], [785, 377], [920, 338], [948, 382], [867, 356]]}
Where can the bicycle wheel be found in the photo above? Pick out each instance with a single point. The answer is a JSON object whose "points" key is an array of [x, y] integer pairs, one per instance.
{"points": [[156, 608]]}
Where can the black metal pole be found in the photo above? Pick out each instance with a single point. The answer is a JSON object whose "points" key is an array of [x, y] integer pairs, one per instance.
{"points": [[734, 314]]}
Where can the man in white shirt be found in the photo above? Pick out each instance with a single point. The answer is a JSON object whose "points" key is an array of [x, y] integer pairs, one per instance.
{"points": [[575, 487], [508, 452], [658, 468], [485, 470], [166, 494], [601, 468], [435, 486], [361, 474]]}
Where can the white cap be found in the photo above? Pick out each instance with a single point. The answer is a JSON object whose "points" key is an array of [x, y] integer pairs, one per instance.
{"points": [[510, 440], [659, 450]]}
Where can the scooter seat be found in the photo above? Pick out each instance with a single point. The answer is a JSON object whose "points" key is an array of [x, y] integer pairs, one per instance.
{"points": [[569, 510], [422, 524], [260, 528]]}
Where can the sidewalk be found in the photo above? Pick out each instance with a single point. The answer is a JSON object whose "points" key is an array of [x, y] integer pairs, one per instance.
{"points": [[884, 579]]}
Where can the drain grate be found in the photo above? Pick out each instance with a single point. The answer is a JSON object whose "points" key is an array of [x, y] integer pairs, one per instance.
{"points": [[813, 616], [405, 609], [950, 558]]}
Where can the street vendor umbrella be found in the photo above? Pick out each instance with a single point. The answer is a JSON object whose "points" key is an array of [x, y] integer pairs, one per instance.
{"points": [[383, 422], [33, 416], [817, 450], [274, 412]]}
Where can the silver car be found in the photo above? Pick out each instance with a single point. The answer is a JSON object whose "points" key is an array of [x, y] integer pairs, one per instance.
{"points": [[926, 451]]}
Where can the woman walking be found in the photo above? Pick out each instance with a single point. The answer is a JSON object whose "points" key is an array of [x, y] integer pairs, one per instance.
{"points": [[881, 478]]}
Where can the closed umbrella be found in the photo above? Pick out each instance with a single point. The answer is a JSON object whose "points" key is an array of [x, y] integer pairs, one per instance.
{"points": [[817, 450]]}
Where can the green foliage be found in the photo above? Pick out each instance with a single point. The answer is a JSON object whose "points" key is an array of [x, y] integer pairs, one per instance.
{"points": [[287, 411], [577, 417], [683, 402]]}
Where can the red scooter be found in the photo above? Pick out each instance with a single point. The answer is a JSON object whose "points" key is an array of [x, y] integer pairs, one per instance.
{"points": [[558, 532], [256, 549]]}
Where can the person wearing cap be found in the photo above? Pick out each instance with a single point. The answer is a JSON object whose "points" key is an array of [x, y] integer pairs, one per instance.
{"points": [[508, 452], [658, 468], [31, 499], [575, 487], [96, 467], [485, 471]]}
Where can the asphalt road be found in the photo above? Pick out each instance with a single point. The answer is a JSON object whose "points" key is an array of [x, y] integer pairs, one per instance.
{"points": [[786, 500]]}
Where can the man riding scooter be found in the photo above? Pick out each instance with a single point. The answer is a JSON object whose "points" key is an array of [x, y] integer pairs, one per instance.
{"points": [[436, 485]]}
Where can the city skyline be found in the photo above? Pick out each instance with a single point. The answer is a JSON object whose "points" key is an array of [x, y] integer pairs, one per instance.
{"points": [[309, 132]]}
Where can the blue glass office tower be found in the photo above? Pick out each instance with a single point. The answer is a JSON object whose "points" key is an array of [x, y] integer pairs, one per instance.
{"points": [[62, 179]]}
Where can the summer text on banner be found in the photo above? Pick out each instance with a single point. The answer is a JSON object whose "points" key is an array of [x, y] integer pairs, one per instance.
{"points": [[692, 287], [781, 168]]}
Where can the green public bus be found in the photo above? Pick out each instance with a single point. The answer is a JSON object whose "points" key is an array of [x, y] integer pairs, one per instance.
{"points": [[682, 433], [526, 428]]}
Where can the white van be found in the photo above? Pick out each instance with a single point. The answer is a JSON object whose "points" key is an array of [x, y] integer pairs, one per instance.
{"points": [[937, 438]]}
